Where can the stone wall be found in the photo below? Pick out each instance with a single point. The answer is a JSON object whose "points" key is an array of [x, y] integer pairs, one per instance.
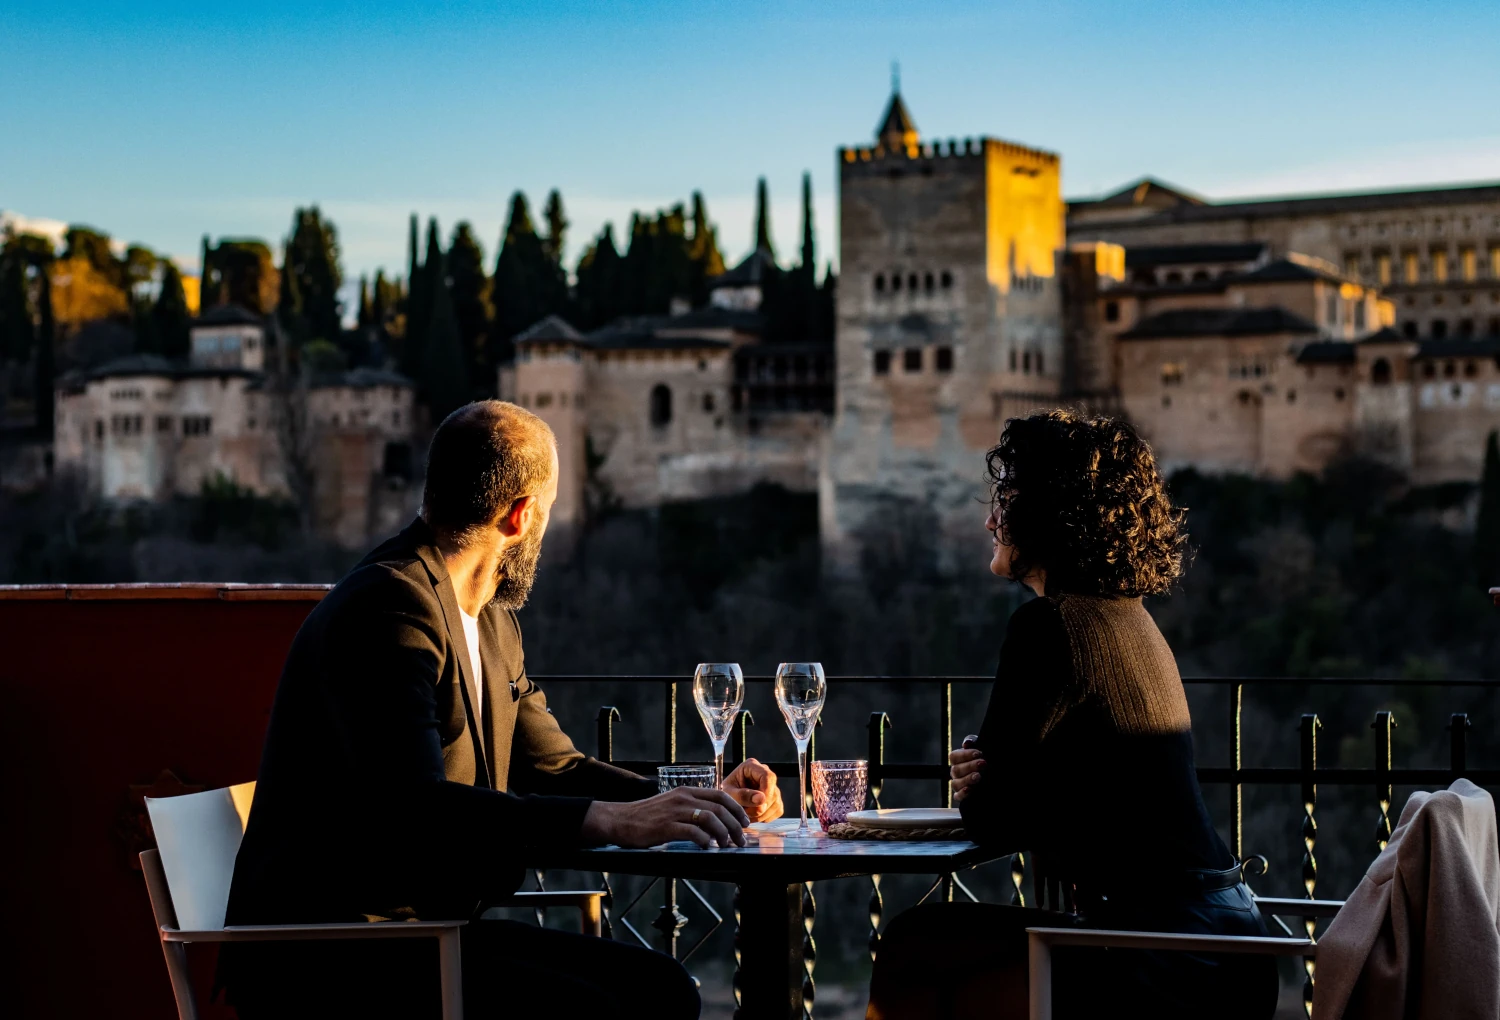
{"points": [[949, 317]]}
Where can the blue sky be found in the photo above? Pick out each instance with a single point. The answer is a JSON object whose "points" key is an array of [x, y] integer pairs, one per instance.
{"points": [[159, 122]]}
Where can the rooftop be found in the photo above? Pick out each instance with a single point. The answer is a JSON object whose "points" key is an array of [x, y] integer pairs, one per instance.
{"points": [[229, 315], [1226, 322], [1151, 255], [1179, 207]]}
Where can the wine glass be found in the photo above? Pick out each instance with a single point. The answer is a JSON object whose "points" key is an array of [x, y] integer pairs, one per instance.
{"points": [[718, 691], [800, 689]]}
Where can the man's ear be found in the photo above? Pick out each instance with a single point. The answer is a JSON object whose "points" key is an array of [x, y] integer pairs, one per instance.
{"points": [[515, 520]]}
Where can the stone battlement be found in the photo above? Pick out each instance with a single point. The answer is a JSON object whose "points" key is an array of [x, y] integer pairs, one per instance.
{"points": [[950, 149]]}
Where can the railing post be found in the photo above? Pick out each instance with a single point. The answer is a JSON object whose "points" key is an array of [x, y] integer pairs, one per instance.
{"points": [[604, 747], [742, 735], [670, 920], [875, 764], [1236, 791], [809, 950], [1309, 766], [945, 729], [1458, 745], [1017, 876], [604, 733], [1383, 724]]}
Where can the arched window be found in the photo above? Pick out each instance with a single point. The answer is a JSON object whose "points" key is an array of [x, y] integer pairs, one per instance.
{"points": [[1380, 372], [661, 405], [880, 283], [947, 279], [927, 283], [911, 282]]}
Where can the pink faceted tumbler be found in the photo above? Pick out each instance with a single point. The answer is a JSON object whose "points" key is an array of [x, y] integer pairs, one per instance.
{"points": [[838, 788]]}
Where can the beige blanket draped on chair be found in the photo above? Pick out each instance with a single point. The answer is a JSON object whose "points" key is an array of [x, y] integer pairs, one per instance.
{"points": [[1418, 939]]}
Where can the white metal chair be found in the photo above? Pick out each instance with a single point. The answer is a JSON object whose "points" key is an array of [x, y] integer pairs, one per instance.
{"points": [[1040, 942], [188, 875]]}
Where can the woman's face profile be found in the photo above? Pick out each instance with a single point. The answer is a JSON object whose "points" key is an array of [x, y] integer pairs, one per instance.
{"points": [[1000, 552]]}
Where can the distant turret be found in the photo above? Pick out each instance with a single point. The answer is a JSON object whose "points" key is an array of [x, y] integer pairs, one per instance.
{"points": [[897, 131]]}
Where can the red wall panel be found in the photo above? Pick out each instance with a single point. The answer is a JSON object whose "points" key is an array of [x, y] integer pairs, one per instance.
{"points": [[103, 689]]}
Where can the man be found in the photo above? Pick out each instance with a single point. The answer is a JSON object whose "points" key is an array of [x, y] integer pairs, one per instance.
{"points": [[411, 768]]}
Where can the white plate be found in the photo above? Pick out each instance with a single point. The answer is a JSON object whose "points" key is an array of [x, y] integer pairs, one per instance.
{"points": [[908, 818]]}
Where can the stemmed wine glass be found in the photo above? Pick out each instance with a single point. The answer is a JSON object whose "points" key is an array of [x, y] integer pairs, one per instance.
{"points": [[800, 689], [718, 691]]}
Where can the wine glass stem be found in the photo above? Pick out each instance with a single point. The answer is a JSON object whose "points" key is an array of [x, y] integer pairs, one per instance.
{"points": [[718, 766], [802, 784]]}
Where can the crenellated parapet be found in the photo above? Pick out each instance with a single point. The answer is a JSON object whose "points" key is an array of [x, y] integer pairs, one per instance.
{"points": [[952, 148]]}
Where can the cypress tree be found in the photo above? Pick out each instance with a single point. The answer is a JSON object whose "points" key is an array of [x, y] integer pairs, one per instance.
{"points": [[312, 256], [444, 378], [763, 220], [1487, 527], [208, 291], [17, 331], [703, 251], [362, 316], [521, 291], [43, 381], [809, 264], [599, 281], [418, 309], [379, 303], [471, 307], [170, 314]]}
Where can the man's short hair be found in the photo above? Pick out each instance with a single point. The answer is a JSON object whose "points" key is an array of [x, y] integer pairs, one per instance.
{"points": [[484, 457]]}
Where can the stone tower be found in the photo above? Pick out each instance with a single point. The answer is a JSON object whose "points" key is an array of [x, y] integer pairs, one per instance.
{"points": [[949, 321]]}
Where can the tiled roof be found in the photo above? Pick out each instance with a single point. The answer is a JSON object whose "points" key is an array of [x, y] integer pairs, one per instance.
{"points": [[229, 315], [1146, 191], [1318, 205], [1147, 256], [1190, 322], [1292, 267], [553, 328], [747, 274], [1459, 347], [640, 333], [1326, 352], [897, 121]]}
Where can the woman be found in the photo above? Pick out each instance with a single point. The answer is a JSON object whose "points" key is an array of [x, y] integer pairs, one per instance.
{"points": [[1085, 758]]}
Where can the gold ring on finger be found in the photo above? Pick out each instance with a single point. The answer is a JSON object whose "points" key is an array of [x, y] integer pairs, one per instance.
{"points": [[696, 813]]}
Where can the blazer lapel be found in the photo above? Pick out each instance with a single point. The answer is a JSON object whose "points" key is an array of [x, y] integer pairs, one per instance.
{"points": [[443, 585]]}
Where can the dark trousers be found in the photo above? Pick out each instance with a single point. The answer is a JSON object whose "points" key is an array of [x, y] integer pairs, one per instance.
{"points": [[968, 960], [511, 969]]}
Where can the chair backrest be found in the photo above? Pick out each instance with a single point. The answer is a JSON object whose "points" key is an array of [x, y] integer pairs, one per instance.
{"points": [[198, 835]]}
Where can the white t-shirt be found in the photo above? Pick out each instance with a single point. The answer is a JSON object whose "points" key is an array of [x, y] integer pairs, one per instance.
{"points": [[471, 635]]}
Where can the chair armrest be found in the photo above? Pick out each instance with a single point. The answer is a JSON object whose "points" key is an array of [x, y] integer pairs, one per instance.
{"points": [[314, 932], [1259, 945], [1298, 908]]}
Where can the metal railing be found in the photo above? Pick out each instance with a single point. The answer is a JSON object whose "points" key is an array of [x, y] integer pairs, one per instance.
{"points": [[1306, 775]]}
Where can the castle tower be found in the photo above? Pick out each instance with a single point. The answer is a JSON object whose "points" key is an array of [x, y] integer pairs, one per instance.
{"points": [[550, 381], [949, 322]]}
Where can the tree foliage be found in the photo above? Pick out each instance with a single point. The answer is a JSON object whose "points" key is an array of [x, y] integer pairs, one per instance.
{"points": [[311, 277], [525, 287], [169, 315], [471, 302], [239, 272], [445, 383]]}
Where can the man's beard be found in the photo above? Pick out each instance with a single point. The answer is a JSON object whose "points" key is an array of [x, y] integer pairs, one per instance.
{"points": [[517, 572]]}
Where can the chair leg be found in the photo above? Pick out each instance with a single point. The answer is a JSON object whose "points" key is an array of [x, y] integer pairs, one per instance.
{"points": [[590, 917], [182, 983], [450, 966], [1039, 977]]}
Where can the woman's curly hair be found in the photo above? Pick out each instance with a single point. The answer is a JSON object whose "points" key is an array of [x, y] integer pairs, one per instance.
{"points": [[1081, 498]]}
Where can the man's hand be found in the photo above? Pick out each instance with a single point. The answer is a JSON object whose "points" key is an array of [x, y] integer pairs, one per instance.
{"points": [[703, 816], [753, 786], [965, 762]]}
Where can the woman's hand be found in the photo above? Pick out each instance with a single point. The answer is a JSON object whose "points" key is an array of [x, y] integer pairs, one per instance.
{"points": [[753, 786], [966, 762]]}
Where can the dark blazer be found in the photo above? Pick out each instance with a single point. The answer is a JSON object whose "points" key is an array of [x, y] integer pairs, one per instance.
{"points": [[378, 794]]}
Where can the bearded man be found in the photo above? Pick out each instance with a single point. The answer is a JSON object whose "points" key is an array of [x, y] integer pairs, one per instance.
{"points": [[411, 769]]}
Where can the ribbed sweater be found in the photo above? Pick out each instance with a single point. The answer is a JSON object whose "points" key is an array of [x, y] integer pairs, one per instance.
{"points": [[1088, 748]]}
